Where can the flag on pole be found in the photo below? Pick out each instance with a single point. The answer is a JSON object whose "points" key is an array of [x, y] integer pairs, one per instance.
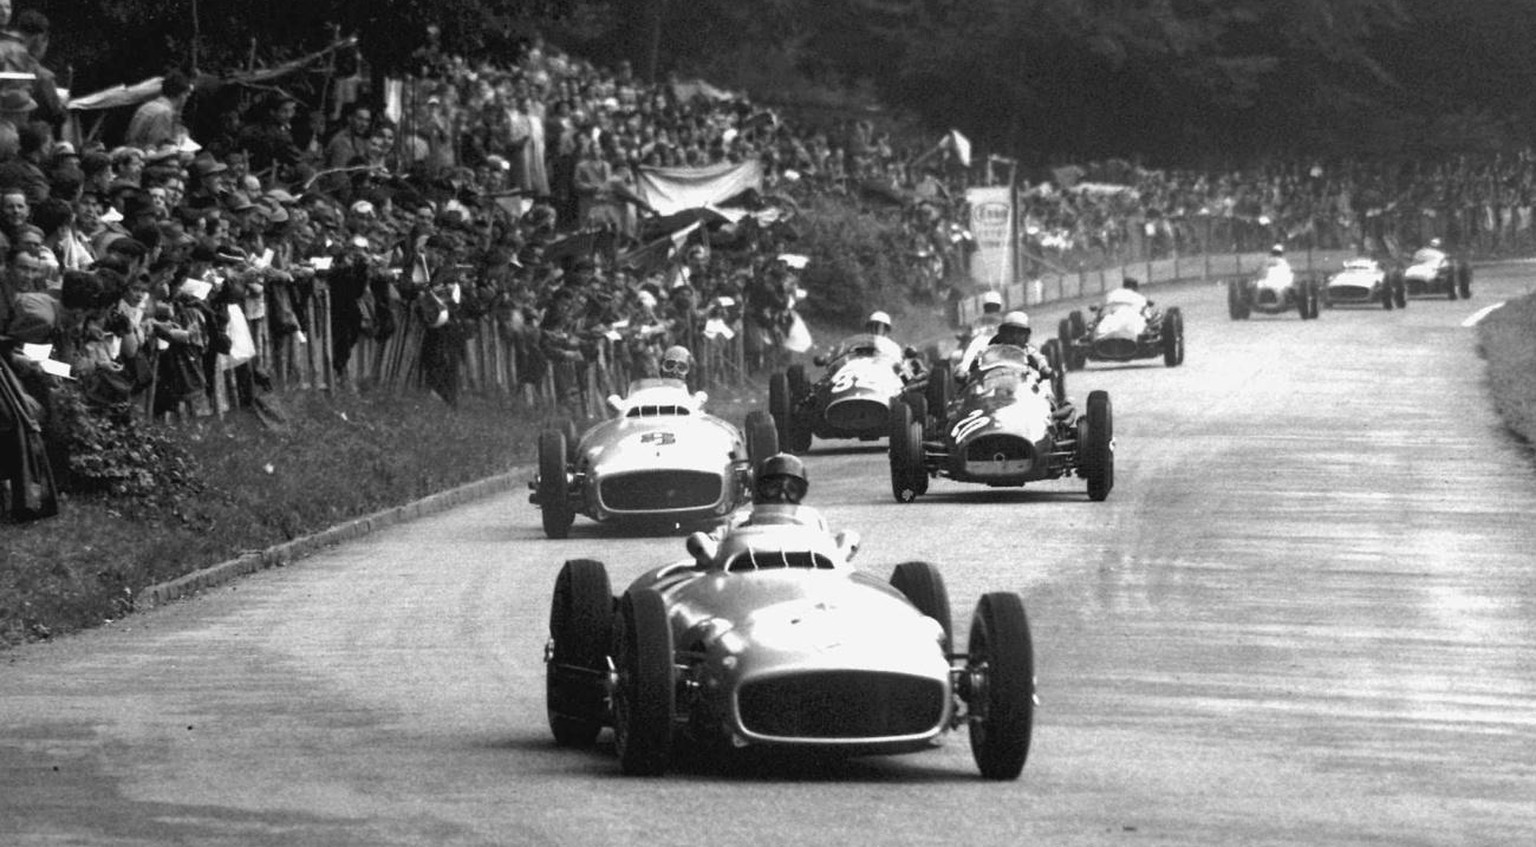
{"points": [[961, 145]]}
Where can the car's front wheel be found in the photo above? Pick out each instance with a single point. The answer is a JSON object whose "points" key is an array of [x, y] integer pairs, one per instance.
{"points": [[645, 698], [1173, 338], [580, 633], [923, 585], [1098, 446], [762, 436], [1000, 678], [554, 490], [909, 479]]}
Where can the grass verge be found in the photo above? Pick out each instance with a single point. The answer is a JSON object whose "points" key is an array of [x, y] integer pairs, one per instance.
{"points": [[1507, 339]]}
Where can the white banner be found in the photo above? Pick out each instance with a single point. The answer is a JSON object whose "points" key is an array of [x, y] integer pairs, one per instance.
{"points": [[992, 226], [672, 190]]}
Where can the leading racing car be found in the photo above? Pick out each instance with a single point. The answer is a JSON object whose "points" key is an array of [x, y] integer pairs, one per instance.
{"points": [[661, 460], [770, 638], [1005, 426]]}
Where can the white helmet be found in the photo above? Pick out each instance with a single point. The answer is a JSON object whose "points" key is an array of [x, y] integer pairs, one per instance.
{"points": [[1013, 330], [879, 323], [1434, 242], [991, 302], [1016, 319], [1277, 250]]}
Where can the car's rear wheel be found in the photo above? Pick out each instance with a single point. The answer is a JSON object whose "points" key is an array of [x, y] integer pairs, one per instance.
{"points": [[645, 698], [1237, 304], [1400, 291], [1450, 284], [799, 384], [1173, 338], [762, 436], [923, 585], [572, 439], [1051, 350], [781, 406], [1387, 301], [941, 387], [554, 491], [1098, 456], [1000, 675], [909, 479], [580, 633], [1076, 325], [1068, 344], [1464, 280]]}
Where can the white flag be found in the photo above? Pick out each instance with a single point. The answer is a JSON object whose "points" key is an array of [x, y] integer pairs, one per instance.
{"points": [[962, 146]]}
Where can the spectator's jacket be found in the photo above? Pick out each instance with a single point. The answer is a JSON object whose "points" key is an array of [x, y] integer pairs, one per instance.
{"points": [[14, 56]]}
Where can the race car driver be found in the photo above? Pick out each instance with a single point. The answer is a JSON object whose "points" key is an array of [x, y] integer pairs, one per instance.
{"points": [[676, 363], [1430, 254], [1015, 330], [777, 489], [912, 366], [1128, 294]]}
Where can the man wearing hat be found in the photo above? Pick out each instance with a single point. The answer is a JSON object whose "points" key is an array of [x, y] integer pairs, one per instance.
{"points": [[158, 121], [208, 182], [22, 48]]}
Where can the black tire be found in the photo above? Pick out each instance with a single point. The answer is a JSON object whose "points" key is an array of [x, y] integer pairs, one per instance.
{"points": [[1173, 337], [1098, 447], [1400, 291], [1302, 306], [1450, 284], [572, 439], [1051, 350], [1076, 325], [1314, 306], [762, 436], [909, 480], [919, 403], [1000, 664], [554, 493], [645, 698], [941, 388], [1068, 345], [1387, 301], [934, 356], [1464, 280], [1237, 300], [799, 384], [580, 633], [921, 583], [781, 407]]}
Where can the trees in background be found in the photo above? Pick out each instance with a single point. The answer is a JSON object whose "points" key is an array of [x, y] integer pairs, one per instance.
{"points": [[1188, 81]]}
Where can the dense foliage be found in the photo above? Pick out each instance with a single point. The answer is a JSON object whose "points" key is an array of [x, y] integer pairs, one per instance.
{"points": [[1182, 81]]}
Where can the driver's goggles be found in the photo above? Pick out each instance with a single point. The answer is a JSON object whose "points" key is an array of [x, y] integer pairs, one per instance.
{"points": [[781, 487]]}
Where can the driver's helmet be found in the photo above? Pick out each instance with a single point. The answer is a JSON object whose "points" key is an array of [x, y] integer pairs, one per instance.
{"points": [[879, 323], [1277, 250], [1013, 330], [991, 302], [1435, 243], [1131, 283], [780, 479], [676, 362]]}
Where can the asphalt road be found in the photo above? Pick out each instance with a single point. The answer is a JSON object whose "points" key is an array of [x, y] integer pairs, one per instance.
{"points": [[1306, 615]]}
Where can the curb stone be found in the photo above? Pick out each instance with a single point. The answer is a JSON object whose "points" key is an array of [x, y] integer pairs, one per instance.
{"points": [[289, 552]]}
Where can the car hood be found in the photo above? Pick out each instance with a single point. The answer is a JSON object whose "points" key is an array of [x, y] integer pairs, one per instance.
{"points": [[700, 442], [807, 618]]}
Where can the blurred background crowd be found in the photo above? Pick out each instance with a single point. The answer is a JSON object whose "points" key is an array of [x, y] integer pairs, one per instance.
{"points": [[218, 234]]}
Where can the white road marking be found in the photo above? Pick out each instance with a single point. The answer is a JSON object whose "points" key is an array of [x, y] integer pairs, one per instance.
{"points": [[1477, 317]]}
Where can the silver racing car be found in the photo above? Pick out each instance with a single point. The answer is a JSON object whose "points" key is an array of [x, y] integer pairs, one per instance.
{"points": [[661, 460], [769, 638]]}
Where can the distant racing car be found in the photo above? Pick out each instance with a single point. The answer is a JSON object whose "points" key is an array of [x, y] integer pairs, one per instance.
{"points": [[864, 375], [1275, 290], [1366, 281], [1124, 327], [662, 459], [1434, 273], [770, 638], [1004, 426]]}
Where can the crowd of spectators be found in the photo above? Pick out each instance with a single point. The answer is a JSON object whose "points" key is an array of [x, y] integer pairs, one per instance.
{"points": [[152, 266]]}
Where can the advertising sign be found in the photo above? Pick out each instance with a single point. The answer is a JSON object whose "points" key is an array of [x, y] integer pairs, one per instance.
{"points": [[992, 227]]}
